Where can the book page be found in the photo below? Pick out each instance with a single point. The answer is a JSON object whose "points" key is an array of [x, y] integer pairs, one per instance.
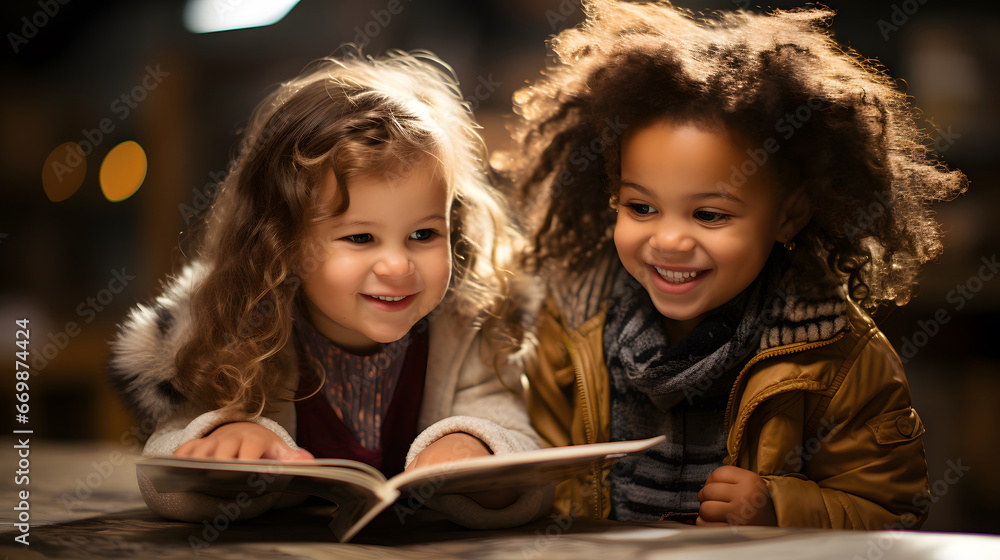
{"points": [[516, 470], [263, 465]]}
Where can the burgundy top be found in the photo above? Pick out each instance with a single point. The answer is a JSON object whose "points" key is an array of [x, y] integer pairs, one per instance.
{"points": [[320, 431], [358, 387]]}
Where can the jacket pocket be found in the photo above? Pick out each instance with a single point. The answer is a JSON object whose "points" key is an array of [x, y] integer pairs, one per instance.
{"points": [[897, 426]]}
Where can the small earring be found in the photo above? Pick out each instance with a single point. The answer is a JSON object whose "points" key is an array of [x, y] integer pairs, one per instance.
{"points": [[789, 245]]}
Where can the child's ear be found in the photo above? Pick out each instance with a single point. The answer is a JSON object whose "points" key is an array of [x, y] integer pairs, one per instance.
{"points": [[796, 210]]}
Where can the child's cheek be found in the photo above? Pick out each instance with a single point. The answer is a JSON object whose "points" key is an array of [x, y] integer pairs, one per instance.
{"points": [[628, 242], [437, 275]]}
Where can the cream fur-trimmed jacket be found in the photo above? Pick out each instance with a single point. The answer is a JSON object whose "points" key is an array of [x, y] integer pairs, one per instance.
{"points": [[461, 395]]}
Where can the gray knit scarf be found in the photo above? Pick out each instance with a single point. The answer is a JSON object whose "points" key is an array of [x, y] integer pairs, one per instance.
{"points": [[681, 389]]}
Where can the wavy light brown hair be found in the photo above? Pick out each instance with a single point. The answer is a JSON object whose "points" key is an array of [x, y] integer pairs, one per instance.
{"points": [[844, 133], [350, 115]]}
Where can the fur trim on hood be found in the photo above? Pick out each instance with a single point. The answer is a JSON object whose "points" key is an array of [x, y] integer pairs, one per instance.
{"points": [[141, 367]]}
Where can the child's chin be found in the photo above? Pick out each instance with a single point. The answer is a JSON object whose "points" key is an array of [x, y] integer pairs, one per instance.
{"points": [[382, 338], [673, 313], [391, 335]]}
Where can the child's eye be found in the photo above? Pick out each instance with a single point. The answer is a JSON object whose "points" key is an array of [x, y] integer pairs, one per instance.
{"points": [[640, 209], [423, 234], [359, 238], [710, 217]]}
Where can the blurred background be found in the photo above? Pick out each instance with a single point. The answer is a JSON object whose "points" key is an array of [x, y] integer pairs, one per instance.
{"points": [[134, 84]]}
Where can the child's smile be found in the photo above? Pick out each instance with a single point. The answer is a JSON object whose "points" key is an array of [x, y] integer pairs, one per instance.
{"points": [[691, 239], [675, 280], [391, 303]]}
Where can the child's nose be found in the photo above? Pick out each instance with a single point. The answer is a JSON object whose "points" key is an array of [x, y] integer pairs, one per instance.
{"points": [[394, 264], [671, 240]]}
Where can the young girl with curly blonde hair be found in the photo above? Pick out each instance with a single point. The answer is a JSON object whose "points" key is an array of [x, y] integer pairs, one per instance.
{"points": [[349, 297]]}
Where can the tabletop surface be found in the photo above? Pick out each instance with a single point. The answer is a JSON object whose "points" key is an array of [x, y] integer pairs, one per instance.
{"points": [[84, 503]]}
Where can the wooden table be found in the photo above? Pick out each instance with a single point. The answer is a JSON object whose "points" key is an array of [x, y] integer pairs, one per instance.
{"points": [[84, 503]]}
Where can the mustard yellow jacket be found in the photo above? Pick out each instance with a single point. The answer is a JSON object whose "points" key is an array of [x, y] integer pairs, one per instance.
{"points": [[828, 425]]}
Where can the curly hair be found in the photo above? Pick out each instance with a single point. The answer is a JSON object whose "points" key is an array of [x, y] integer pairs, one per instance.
{"points": [[819, 116], [348, 115]]}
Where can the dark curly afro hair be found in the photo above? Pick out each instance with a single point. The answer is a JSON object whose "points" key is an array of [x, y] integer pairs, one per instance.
{"points": [[842, 132]]}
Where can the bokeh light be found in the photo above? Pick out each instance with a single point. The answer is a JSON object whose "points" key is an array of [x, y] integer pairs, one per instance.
{"points": [[123, 171], [64, 171]]}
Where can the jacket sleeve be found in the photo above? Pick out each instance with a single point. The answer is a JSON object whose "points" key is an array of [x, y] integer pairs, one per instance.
{"points": [[864, 467], [489, 406]]}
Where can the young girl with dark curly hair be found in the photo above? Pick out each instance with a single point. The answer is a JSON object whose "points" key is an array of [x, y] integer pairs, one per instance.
{"points": [[314, 319], [765, 185]]}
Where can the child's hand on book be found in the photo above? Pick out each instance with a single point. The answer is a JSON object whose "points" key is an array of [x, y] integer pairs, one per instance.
{"points": [[735, 496], [457, 447], [241, 440], [452, 447]]}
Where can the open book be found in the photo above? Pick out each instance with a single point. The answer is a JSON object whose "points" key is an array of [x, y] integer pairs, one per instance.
{"points": [[361, 492]]}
